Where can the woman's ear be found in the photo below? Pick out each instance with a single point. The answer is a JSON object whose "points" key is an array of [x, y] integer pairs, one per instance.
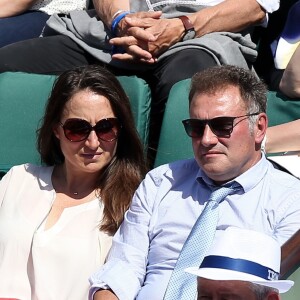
{"points": [[55, 130]]}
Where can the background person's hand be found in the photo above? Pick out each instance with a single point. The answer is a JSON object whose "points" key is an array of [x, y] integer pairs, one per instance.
{"points": [[144, 36]]}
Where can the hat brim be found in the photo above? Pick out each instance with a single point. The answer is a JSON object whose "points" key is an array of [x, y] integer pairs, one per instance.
{"points": [[221, 274]]}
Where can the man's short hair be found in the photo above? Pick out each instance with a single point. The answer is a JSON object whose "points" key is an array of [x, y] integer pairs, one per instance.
{"points": [[253, 90]]}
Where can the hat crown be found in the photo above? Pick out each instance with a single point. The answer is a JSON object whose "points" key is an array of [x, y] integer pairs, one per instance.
{"points": [[247, 245], [242, 254]]}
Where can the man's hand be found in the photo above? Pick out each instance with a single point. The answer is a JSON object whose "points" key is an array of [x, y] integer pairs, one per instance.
{"points": [[167, 32]]}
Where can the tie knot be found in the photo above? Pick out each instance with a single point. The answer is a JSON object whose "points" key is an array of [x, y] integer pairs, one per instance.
{"points": [[220, 193]]}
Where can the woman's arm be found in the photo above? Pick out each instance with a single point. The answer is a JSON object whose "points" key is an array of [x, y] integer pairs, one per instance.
{"points": [[283, 137], [9, 8]]}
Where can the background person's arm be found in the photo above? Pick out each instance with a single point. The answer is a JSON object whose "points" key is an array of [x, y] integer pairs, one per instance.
{"points": [[283, 137], [107, 8], [105, 295], [290, 81], [9, 8], [230, 15]]}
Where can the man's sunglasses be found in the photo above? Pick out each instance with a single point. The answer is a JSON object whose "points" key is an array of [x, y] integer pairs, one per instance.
{"points": [[77, 130], [220, 126]]}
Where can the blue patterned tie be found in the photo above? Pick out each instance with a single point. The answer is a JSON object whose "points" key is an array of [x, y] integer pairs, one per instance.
{"points": [[182, 285]]}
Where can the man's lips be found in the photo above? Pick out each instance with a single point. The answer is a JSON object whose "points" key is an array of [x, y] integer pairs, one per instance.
{"points": [[212, 153]]}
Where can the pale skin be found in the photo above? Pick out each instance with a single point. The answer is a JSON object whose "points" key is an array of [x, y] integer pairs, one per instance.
{"points": [[283, 137], [290, 81], [9, 8], [228, 290], [83, 160], [221, 158], [145, 35]]}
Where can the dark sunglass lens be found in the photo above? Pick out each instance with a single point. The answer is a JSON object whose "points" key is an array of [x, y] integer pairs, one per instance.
{"points": [[107, 129], [76, 130], [194, 128], [222, 126]]}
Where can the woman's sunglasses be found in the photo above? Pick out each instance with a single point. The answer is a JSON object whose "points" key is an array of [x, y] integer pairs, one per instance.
{"points": [[77, 130], [220, 126]]}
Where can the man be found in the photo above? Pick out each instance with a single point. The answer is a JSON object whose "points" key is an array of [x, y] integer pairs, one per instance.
{"points": [[241, 264], [171, 198], [149, 40]]}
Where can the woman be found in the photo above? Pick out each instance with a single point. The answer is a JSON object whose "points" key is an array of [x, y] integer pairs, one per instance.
{"points": [[56, 220], [25, 19]]}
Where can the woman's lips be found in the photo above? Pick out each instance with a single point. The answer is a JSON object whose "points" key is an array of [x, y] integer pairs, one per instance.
{"points": [[91, 155]]}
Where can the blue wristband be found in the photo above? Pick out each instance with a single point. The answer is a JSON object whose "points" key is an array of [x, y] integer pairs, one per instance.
{"points": [[116, 21]]}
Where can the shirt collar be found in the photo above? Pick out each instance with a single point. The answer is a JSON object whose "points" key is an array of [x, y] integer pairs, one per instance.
{"points": [[248, 180], [44, 177]]}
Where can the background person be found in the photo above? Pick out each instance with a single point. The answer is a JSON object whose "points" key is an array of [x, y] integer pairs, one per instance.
{"points": [[241, 264], [25, 19], [228, 123], [57, 220], [286, 48], [147, 39]]}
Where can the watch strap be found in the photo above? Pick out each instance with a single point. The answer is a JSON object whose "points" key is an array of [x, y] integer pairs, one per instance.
{"points": [[188, 25]]}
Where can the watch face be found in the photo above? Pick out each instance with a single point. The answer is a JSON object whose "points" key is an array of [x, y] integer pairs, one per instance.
{"points": [[189, 35]]}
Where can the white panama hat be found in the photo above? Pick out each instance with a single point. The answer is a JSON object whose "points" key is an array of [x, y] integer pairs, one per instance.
{"points": [[241, 254]]}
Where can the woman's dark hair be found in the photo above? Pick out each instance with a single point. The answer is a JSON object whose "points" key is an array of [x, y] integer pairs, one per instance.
{"points": [[121, 177]]}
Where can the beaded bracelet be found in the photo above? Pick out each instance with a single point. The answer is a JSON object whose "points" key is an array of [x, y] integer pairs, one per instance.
{"points": [[116, 22]]}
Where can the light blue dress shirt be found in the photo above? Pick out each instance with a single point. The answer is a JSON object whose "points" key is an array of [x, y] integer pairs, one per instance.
{"points": [[165, 208]]}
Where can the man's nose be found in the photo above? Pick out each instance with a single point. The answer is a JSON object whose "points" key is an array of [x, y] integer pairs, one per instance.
{"points": [[208, 137]]}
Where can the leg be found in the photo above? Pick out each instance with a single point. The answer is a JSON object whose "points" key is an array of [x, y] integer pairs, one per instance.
{"points": [[47, 55], [275, 76], [28, 25], [177, 67]]}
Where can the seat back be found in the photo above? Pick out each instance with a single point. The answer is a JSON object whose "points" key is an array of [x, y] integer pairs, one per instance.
{"points": [[174, 144], [282, 109], [22, 101]]}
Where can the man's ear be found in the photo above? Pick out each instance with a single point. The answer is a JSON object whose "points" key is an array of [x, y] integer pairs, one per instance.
{"points": [[261, 127], [273, 296]]}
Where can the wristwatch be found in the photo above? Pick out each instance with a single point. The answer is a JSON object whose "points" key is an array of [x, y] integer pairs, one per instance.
{"points": [[190, 32]]}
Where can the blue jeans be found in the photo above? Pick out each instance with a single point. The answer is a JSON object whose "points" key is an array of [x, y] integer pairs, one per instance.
{"points": [[22, 27]]}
